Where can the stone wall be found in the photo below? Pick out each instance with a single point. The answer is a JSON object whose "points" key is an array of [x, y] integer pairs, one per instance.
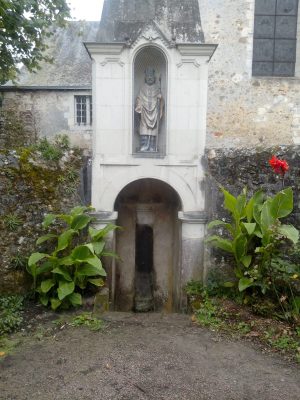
{"points": [[235, 169], [47, 113], [245, 111], [31, 187]]}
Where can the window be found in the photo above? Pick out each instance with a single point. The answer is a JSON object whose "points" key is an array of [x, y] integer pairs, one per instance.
{"points": [[83, 110], [275, 33]]}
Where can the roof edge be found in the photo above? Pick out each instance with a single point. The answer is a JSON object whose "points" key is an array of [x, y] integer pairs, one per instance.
{"points": [[39, 88]]}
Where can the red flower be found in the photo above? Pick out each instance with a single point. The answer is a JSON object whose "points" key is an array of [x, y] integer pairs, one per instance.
{"points": [[279, 166]]}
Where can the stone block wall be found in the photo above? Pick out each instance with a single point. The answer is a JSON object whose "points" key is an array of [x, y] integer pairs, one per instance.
{"points": [[45, 113], [245, 111]]}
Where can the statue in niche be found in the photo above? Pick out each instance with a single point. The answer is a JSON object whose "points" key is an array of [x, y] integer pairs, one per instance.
{"points": [[150, 106]]}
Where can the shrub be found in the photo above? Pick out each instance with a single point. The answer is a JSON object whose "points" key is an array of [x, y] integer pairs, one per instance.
{"points": [[73, 260], [10, 313], [258, 242]]}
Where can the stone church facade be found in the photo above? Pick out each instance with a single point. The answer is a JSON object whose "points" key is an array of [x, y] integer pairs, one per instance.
{"points": [[228, 76]]}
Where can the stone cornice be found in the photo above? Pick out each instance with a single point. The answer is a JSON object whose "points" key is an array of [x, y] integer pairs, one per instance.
{"points": [[112, 49], [196, 50]]}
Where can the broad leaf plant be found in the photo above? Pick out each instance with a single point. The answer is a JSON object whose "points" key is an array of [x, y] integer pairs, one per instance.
{"points": [[74, 261]]}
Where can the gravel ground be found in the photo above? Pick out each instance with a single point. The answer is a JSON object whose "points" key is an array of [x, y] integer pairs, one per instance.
{"points": [[145, 356]]}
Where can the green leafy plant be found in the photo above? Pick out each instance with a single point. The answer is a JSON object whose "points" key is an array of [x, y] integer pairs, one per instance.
{"points": [[19, 262], [206, 312], [53, 151], [73, 261], [257, 240], [282, 341], [86, 319], [10, 313], [62, 141], [12, 222]]}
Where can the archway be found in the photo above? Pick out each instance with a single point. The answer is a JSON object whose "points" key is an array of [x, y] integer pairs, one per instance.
{"points": [[147, 274]]}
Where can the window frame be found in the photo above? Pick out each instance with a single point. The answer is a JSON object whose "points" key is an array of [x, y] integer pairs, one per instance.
{"points": [[274, 54], [83, 110]]}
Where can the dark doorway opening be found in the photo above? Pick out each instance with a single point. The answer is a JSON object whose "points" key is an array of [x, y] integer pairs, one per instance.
{"points": [[143, 300]]}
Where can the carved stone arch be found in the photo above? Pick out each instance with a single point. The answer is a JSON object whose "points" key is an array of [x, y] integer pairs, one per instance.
{"points": [[111, 189]]}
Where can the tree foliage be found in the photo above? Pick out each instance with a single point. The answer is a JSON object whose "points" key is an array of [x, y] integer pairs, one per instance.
{"points": [[24, 25]]}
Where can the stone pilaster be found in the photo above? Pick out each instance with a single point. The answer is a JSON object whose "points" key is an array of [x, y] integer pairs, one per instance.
{"points": [[193, 225]]}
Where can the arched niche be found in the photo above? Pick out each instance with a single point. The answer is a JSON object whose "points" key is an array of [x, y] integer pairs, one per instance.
{"points": [[150, 56], [147, 273]]}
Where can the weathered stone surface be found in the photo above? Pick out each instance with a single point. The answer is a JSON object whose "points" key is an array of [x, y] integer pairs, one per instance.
{"points": [[30, 188], [123, 21], [245, 111]]}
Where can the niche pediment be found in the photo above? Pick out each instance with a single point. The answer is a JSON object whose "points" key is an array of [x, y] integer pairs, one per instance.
{"points": [[152, 33]]}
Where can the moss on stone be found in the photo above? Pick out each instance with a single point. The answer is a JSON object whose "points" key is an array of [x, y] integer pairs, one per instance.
{"points": [[31, 187]]}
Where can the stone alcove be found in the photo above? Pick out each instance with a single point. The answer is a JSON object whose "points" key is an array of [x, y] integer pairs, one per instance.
{"points": [[150, 56], [147, 277]]}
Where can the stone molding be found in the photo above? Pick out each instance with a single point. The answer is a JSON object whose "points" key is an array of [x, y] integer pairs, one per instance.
{"points": [[193, 217], [197, 50], [104, 217], [106, 49]]}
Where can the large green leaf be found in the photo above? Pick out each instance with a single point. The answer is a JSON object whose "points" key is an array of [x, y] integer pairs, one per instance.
{"points": [[44, 299], [257, 208], [221, 243], [32, 270], [45, 238], [97, 282], [90, 270], [97, 234], [49, 218], [98, 247], [64, 289], [80, 210], [35, 258], [64, 240], [256, 199], [80, 221], [63, 272], [290, 232], [55, 303], [240, 210], [229, 201], [267, 219], [244, 283], [75, 299], [246, 260], [95, 261], [218, 222], [250, 227], [82, 253], [66, 261], [45, 267], [67, 218], [282, 204], [258, 233], [46, 285], [240, 247]]}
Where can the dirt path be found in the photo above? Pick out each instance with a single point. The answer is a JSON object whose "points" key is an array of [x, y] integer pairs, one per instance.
{"points": [[145, 356]]}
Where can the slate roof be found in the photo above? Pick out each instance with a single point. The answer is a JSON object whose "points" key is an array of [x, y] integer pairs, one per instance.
{"points": [[123, 20], [72, 66]]}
